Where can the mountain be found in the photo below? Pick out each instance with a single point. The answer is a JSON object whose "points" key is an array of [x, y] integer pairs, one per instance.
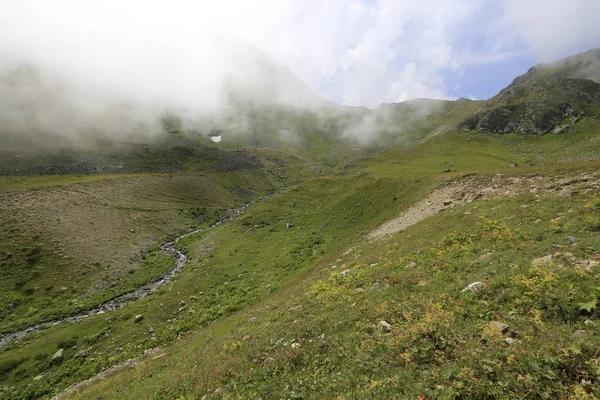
{"points": [[580, 66], [549, 98]]}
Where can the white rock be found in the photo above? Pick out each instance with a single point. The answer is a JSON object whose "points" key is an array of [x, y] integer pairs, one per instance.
{"points": [[58, 355], [385, 327], [475, 287]]}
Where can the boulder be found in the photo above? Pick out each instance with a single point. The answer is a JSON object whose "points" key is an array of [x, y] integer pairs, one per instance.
{"points": [[475, 287], [565, 258], [138, 318], [58, 356], [499, 326], [385, 327], [587, 265], [564, 194], [82, 354], [542, 261]]}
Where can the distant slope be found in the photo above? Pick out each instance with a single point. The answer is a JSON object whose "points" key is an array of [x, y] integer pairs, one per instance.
{"points": [[549, 98], [580, 66]]}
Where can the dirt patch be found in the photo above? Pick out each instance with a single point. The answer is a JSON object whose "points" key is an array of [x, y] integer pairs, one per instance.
{"points": [[469, 188]]}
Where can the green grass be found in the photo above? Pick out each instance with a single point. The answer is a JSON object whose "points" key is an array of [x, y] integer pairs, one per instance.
{"points": [[224, 323], [439, 346], [105, 232]]}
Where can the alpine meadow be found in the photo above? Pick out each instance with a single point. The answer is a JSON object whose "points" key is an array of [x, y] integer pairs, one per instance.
{"points": [[252, 239]]}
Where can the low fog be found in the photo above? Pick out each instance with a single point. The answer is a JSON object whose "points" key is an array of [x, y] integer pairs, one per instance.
{"points": [[117, 69], [129, 92], [74, 70]]}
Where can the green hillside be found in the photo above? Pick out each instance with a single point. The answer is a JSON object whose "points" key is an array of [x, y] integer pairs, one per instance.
{"points": [[425, 249]]}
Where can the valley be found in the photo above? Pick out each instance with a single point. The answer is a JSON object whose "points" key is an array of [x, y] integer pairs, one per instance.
{"points": [[454, 254]]}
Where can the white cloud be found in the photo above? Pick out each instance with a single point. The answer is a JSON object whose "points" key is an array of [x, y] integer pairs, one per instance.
{"points": [[549, 29], [352, 51]]}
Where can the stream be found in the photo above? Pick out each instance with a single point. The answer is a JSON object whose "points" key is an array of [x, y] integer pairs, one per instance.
{"points": [[141, 292]]}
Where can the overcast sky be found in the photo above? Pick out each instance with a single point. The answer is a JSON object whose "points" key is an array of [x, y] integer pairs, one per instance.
{"points": [[356, 52]]}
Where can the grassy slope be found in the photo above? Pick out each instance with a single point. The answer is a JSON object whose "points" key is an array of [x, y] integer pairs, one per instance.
{"points": [[249, 355], [439, 346], [103, 231], [240, 264]]}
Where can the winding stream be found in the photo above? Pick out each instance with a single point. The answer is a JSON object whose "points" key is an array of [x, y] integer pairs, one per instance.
{"points": [[141, 292]]}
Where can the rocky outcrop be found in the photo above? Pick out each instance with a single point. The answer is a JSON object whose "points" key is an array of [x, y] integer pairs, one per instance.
{"points": [[535, 107]]}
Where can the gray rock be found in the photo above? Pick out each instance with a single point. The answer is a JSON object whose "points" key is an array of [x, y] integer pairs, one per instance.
{"points": [[514, 164], [542, 261], [295, 308], [358, 291], [499, 326], [587, 265], [564, 194], [138, 318], [447, 202], [564, 258], [82, 354], [385, 327], [560, 129], [295, 345], [58, 356], [288, 225], [475, 287], [511, 341], [38, 377]]}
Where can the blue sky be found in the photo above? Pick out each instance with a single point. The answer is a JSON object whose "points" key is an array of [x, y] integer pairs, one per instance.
{"points": [[373, 51], [355, 52]]}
